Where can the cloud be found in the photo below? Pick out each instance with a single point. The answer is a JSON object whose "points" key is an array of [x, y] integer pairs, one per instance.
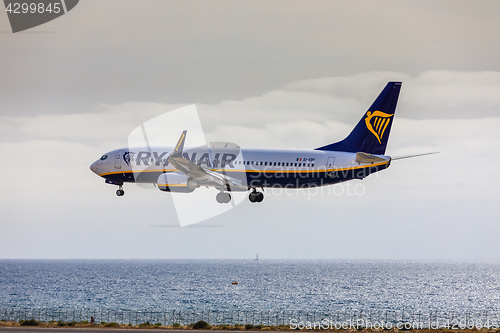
{"points": [[326, 107], [192, 52], [111, 125], [451, 94]]}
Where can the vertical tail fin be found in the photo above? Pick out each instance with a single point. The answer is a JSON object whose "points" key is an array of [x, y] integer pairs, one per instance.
{"points": [[372, 132]]}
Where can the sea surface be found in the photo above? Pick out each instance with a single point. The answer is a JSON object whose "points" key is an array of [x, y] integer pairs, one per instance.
{"points": [[262, 285]]}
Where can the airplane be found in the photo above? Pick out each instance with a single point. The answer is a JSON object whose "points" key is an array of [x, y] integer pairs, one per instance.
{"points": [[229, 168]]}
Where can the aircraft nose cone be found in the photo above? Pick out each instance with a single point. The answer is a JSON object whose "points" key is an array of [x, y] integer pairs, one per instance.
{"points": [[94, 168]]}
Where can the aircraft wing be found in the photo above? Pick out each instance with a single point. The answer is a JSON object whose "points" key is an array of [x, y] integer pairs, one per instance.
{"points": [[198, 172], [409, 156]]}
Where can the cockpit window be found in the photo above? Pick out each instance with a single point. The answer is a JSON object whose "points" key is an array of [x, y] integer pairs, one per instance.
{"points": [[104, 157]]}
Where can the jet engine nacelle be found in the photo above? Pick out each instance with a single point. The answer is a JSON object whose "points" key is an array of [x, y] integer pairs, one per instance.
{"points": [[176, 182]]}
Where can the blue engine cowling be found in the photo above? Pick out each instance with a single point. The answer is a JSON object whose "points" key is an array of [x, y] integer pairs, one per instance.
{"points": [[176, 182]]}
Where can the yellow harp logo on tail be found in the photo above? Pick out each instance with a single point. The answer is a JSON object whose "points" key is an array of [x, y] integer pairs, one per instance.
{"points": [[377, 122]]}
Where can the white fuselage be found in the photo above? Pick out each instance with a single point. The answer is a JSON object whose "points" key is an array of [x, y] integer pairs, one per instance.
{"points": [[259, 167]]}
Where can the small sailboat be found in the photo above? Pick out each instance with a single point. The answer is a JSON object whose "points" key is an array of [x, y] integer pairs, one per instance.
{"points": [[257, 258]]}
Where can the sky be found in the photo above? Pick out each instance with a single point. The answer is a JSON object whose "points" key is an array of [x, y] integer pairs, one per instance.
{"points": [[280, 74]]}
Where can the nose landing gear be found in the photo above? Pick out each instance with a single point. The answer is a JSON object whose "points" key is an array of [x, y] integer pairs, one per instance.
{"points": [[255, 196]]}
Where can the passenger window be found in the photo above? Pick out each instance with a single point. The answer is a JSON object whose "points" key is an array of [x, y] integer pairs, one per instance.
{"points": [[286, 163], [274, 163], [295, 164]]}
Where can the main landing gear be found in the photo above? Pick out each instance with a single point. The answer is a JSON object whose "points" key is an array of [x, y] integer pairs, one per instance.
{"points": [[120, 192], [223, 197], [255, 196]]}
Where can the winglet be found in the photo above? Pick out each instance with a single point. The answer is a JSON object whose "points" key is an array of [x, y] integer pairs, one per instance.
{"points": [[179, 147]]}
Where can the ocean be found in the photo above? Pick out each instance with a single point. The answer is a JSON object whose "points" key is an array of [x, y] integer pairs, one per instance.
{"points": [[334, 285]]}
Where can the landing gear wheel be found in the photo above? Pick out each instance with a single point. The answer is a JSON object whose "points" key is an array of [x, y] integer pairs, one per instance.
{"points": [[120, 192], [256, 196], [223, 197]]}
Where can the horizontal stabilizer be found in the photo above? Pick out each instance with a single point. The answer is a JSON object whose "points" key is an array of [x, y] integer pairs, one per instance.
{"points": [[368, 158]]}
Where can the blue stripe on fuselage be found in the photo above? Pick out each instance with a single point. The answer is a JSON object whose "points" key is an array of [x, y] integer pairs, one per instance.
{"points": [[290, 178]]}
